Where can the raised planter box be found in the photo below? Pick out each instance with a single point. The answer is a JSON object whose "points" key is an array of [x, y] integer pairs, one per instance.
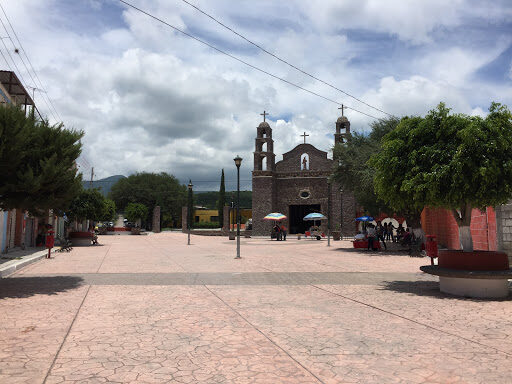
{"points": [[473, 261], [479, 274], [81, 239]]}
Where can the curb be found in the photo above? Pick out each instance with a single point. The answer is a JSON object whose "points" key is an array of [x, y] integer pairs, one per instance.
{"points": [[27, 260]]}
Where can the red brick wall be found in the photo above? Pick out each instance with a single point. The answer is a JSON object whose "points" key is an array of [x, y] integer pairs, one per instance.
{"points": [[440, 222]]}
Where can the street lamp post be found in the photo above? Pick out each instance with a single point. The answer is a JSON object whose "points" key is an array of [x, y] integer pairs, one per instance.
{"points": [[189, 209], [328, 213], [238, 162]]}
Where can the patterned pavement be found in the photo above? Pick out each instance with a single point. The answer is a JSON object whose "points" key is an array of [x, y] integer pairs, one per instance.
{"points": [[150, 309]]}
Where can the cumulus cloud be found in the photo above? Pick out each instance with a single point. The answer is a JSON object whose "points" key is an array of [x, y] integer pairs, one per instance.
{"points": [[151, 99]]}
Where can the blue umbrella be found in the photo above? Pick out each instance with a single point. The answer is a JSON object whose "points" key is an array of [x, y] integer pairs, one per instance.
{"points": [[314, 216], [365, 218]]}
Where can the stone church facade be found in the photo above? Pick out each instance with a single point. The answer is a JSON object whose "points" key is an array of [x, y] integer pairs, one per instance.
{"points": [[298, 185]]}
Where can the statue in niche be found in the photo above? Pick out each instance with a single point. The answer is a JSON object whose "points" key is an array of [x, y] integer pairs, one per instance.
{"points": [[305, 162]]}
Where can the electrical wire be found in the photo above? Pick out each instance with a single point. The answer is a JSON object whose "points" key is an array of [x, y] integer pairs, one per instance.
{"points": [[283, 60], [240, 60], [30, 63]]}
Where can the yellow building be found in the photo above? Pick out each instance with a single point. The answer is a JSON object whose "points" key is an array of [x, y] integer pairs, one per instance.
{"points": [[203, 215]]}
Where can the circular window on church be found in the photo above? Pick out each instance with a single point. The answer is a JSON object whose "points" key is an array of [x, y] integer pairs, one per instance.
{"points": [[304, 194]]}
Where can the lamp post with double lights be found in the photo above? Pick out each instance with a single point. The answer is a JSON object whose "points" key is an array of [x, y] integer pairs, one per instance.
{"points": [[238, 162], [189, 209]]}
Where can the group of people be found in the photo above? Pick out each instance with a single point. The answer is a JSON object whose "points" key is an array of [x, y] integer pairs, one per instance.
{"points": [[385, 232], [279, 232]]}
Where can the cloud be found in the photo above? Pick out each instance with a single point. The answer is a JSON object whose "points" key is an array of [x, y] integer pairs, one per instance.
{"points": [[151, 99]]}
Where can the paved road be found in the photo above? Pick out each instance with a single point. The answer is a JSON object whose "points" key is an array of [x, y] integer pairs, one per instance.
{"points": [[149, 309]]}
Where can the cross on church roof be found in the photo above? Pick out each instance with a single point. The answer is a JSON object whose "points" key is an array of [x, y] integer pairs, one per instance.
{"points": [[264, 114], [304, 135], [342, 107]]}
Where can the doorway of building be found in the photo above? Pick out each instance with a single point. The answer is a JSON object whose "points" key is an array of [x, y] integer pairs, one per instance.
{"points": [[297, 213]]}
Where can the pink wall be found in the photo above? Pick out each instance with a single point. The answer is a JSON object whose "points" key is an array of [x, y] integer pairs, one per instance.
{"points": [[440, 222]]}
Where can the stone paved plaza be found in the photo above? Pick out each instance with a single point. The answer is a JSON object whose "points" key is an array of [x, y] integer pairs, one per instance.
{"points": [[150, 309]]}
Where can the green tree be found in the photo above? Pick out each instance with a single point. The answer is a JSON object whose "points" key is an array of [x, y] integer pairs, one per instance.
{"points": [[151, 189], [37, 163], [222, 200], [354, 173], [88, 205], [109, 210], [135, 212], [454, 161]]}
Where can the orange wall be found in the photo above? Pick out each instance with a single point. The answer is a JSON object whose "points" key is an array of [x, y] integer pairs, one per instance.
{"points": [[440, 222]]}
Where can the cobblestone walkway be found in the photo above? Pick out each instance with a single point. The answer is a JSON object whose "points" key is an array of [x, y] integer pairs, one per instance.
{"points": [[152, 310]]}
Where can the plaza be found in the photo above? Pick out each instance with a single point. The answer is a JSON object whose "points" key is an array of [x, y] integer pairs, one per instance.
{"points": [[150, 309]]}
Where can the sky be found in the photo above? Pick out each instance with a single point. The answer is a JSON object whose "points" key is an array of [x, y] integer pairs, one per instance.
{"points": [[150, 99]]}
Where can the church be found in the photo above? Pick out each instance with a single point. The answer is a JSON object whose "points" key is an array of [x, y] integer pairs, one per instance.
{"points": [[298, 185]]}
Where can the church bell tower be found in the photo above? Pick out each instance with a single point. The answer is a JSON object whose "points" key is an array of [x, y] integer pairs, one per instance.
{"points": [[264, 157], [263, 183], [342, 134]]}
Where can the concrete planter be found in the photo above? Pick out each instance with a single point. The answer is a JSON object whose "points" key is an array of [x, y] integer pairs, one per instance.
{"points": [[473, 261], [80, 239], [479, 274], [336, 235]]}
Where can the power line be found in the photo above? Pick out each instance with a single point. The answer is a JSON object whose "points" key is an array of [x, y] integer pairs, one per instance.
{"points": [[10, 69], [238, 59], [30, 63], [283, 60]]}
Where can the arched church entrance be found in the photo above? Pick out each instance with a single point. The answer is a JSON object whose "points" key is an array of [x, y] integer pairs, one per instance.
{"points": [[296, 217]]}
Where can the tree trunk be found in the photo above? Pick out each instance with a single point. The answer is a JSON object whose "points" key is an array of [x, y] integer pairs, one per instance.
{"points": [[466, 241], [463, 218], [414, 222]]}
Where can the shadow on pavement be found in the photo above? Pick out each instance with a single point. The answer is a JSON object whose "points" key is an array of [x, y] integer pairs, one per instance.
{"points": [[427, 288], [22, 287], [382, 252]]}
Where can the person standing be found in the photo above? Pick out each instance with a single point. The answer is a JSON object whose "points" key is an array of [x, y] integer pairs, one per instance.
{"points": [[371, 235], [380, 234], [283, 232]]}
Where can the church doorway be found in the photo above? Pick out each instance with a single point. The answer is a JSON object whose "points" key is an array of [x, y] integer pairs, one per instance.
{"points": [[297, 213]]}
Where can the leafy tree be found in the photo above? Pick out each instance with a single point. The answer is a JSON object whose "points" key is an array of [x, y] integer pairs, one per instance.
{"points": [[454, 161], [135, 212], [37, 163], [151, 189], [222, 200], [88, 205], [354, 173], [109, 210]]}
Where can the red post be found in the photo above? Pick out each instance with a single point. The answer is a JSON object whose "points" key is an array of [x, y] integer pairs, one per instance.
{"points": [[50, 241]]}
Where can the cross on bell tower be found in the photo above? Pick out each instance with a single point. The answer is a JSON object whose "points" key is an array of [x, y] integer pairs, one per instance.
{"points": [[342, 107], [264, 114], [304, 136]]}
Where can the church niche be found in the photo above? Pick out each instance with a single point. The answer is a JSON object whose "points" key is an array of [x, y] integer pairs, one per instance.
{"points": [[304, 162]]}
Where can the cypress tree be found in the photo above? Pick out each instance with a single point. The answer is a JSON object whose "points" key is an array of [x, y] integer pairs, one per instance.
{"points": [[222, 200]]}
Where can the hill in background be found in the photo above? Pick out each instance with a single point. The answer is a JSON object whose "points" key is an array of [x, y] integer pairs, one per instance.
{"points": [[209, 199], [104, 185]]}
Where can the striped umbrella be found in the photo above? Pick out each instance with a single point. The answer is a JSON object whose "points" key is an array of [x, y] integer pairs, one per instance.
{"points": [[314, 216], [276, 216]]}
